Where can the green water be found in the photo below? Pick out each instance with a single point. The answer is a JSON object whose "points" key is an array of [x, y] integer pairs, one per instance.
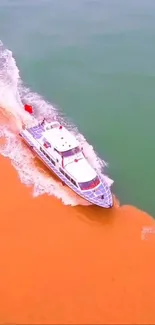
{"points": [[95, 60]]}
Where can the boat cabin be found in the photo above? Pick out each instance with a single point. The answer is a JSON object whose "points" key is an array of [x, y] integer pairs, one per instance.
{"points": [[60, 138], [65, 150]]}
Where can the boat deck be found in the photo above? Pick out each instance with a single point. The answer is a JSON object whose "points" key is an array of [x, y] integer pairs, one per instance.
{"points": [[36, 131]]}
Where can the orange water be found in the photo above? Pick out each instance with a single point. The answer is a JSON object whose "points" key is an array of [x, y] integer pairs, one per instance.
{"points": [[77, 265]]}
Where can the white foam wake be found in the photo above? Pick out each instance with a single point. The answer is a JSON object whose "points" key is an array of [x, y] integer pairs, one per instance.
{"points": [[12, 95]]}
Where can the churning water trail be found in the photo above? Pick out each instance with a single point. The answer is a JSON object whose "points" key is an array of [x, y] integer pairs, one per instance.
{"points": [[13, 94]]}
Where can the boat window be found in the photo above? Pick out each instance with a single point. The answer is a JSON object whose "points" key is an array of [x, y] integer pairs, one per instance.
{"points": [[70, 152], [61, 170], [74, 183], [90, 184], [53, 162], [67, 176]]}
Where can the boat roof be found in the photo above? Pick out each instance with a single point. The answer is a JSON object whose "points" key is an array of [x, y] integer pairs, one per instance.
{"points": [[59, 137], [81, 170]]}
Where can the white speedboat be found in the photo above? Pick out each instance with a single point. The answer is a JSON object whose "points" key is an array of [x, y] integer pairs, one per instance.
{"points": [[60, 151]]}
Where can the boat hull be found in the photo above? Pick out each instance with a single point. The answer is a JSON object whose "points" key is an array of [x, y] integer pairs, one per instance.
{"points": [[87, 195]]}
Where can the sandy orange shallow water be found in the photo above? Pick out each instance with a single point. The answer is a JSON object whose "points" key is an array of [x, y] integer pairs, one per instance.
{"points": [[62, 265]]}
